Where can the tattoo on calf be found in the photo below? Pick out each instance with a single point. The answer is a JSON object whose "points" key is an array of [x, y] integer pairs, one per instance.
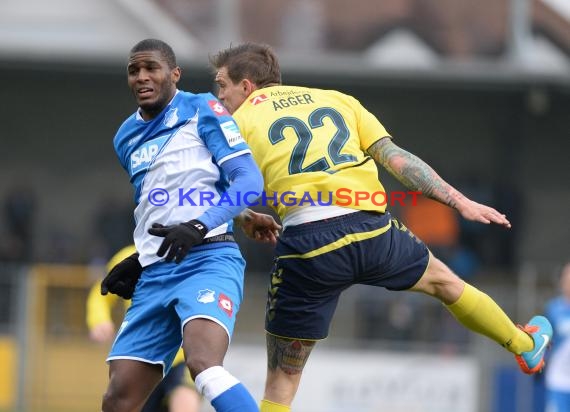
{"points": [[287, 354]]}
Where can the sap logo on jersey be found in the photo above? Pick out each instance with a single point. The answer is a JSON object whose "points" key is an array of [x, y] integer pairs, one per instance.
{"points": [[144, 155]]}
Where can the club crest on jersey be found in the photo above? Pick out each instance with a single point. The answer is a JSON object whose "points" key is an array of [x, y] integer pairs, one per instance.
{"points": [[171, 117], [206, 296], [218, 108], [231, 133], [226, 304], [258, 99]]}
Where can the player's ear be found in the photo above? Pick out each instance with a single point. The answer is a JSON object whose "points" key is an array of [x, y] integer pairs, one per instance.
{"points": [[175, 74], [248, 86]]}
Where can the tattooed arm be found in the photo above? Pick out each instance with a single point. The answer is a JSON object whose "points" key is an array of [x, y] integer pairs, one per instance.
{"points": [[415, 174]]}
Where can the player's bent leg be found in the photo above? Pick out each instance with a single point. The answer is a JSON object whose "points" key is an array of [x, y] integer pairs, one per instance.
{"points": [[205, 344], [280, 390], [472, 308], [130, 384], [286, 359], [440, 282]]}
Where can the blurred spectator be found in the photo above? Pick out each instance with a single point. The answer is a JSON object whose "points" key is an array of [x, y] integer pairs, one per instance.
{"points": [[509, 200], [397, 315], [439, 227], [113, 227], [491, 245], [19, 212], [557, 372], [434, 223], [62, 246]]}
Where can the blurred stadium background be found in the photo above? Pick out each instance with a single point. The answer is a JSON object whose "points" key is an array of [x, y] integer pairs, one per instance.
{"points": [[481, 90]]}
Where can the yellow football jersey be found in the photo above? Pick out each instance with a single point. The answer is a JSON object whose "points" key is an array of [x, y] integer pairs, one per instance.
{"points": [[310, 145]]}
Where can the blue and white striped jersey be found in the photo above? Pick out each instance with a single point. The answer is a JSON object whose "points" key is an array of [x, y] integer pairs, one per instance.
{"points": [[558, 364], [174, 164]]}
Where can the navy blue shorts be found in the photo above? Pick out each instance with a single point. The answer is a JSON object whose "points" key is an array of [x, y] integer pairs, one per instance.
{"points": [[316, 261]]}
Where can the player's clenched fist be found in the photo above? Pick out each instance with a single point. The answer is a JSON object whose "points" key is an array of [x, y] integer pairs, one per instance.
{"points": [[178, 239], [123, 278]]}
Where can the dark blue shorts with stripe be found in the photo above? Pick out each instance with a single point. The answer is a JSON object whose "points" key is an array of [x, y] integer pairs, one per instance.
{"points": [[316, 261]]}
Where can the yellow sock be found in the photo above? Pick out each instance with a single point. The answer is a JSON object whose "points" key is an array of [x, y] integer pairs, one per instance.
{"points": [[268, 406], [478, 312]]}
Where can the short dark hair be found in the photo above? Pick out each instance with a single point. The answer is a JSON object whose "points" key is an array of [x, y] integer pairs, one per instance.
{"points": [[254, 61], [158, 45]]}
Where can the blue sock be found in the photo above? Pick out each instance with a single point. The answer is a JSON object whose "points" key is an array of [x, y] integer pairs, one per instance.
{"points": [[224, 391], [235, 399]]}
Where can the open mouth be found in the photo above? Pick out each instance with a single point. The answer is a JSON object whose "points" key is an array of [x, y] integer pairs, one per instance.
{"points": [[144, 92]]}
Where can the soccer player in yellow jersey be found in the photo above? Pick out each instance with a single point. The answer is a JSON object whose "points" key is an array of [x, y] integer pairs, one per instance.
{"points": [[310, 143], [176, 390]]}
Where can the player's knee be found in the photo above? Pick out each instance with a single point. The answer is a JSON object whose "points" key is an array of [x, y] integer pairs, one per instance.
{"points": [[439, 281], [106, 403], [115, 400], [198, 364], [110, 403]]}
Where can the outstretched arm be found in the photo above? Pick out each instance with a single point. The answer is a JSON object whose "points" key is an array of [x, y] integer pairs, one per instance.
{"points": [[415, 174]]}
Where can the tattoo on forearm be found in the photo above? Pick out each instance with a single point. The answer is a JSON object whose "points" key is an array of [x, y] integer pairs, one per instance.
{"points": [[288, 355], [413, 172]]}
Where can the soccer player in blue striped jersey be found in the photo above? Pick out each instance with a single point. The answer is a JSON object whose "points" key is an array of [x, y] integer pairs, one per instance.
{"points": [[313, 141], [557, 375], [188, 270]]}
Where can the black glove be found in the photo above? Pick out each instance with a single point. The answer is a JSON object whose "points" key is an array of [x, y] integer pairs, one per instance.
{"points": [[179, 238], [123, 278]]}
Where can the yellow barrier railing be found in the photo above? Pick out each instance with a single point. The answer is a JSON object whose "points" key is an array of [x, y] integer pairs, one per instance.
{"points": [[64, 371]]}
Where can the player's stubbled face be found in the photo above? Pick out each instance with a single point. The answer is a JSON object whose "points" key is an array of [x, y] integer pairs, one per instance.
{"points": [[231, 94], [152, 81]]}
